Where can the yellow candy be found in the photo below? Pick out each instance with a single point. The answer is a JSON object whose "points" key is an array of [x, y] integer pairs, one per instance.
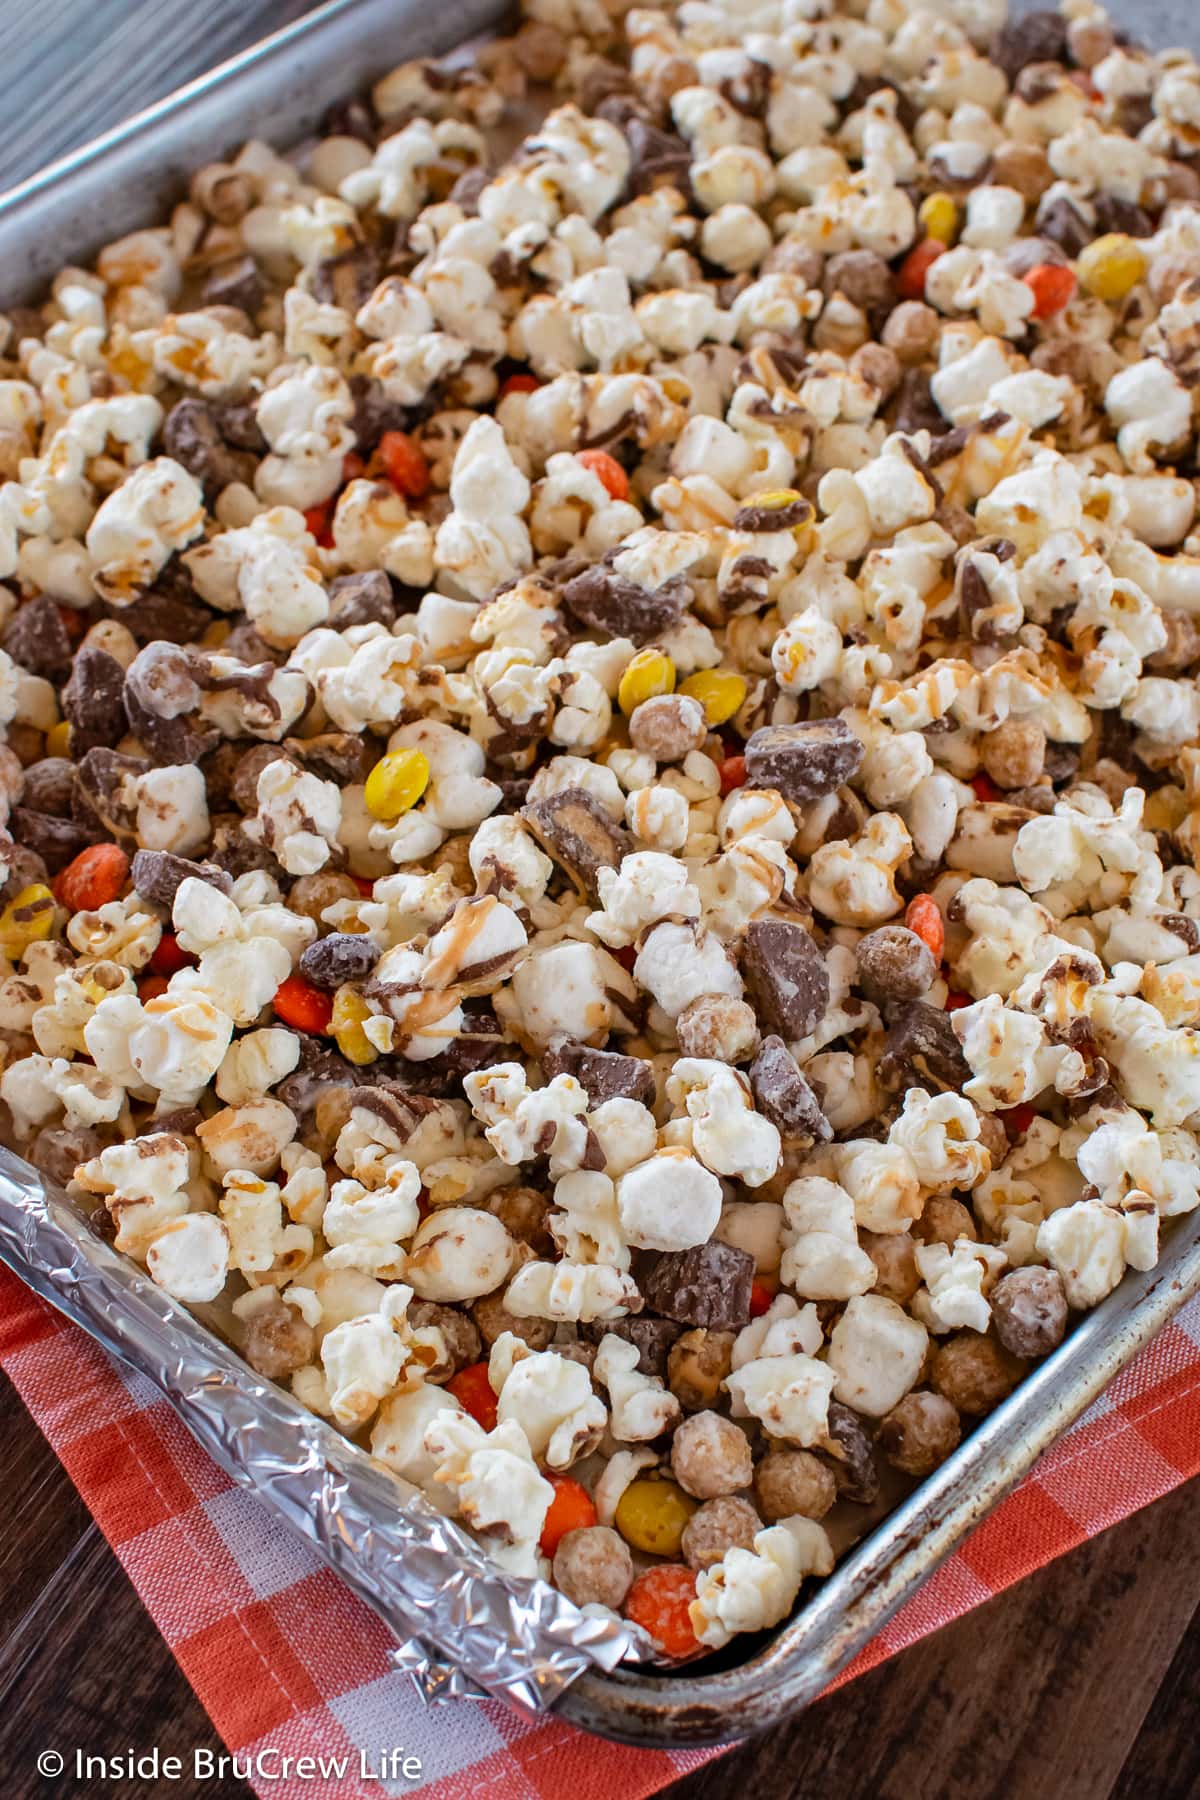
{"points": [[776, 499], [1111, 265], [346, 1026], [939, 216], [396, 783], [58, 739], [719, 691], [651, 1516], [649, 674], [26, 919]]}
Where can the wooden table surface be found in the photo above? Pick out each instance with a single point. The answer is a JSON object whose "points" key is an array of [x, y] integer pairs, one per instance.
{"points": [[1083, 1683]]}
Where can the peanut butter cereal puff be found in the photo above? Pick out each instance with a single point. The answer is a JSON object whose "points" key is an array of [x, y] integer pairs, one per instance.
{"points": [[600, 819]]}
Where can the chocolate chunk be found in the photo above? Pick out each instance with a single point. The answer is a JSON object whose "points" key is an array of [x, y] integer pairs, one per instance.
{"points": [[364, 598], [333, 755], [921, 1050], [56, 841], [350, 118], [605, 1074], [374, 413], [894, 964], [467, 189], [192, 436], [772, 518], [707, 1286], [238, 424], [58, 1151], [157, 874], [916, 408], [350, 279], [49, 785], [92, 701], [651, 1337], [783, 1096], [1035, 37], [785, 976], [102, 797], [36, 638], [577, 832], [1064, 226], [803, 761], [1115, 214], [318, 1071], [850, 1456], [658, 157], [608, 602], [234, 281], [237, 854], [332, 961]]}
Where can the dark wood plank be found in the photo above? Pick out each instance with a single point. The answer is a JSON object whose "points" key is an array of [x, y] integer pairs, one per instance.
{"points": [[1041, 1692]]}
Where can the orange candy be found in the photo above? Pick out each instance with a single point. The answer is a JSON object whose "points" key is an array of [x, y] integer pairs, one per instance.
{"points": [[1016, 1120], [404, 464], [924, 917], [474, 1392], [150, 987], [303, 1006], [1053, 288], [317, 520], [658, 1601], [168, 957], [612, 476], [761, 1297], [910, 277], [95, 877], [570, 1510], [985, 789], [732, 770], [954, 1000], [518, 384]]}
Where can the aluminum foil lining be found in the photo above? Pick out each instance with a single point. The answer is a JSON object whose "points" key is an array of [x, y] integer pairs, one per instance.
{"points": [[465, 1628]]}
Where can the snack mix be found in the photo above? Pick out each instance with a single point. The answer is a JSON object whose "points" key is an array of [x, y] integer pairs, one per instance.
{"points": [[603, 759]]}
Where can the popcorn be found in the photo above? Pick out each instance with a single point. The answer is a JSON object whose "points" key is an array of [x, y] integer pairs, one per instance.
{"points": [[875, 1354], [298, 817], [568, 1291], [854, 883], [677, 964], [956, 1281], [550, 1398], [171, 809], [496, 1485], [458, 1253], [727, 1135], [821, 1257], [1091, 1244], [940, 1134], [521, 1125], [143, 1185], [669, 1202], [189, 1258], [366, 1358], [174, 1044], [158, 510], [267, 568], [641, 1407], [484, 541], [647, 887], [788, 1394], [749, 1590]]}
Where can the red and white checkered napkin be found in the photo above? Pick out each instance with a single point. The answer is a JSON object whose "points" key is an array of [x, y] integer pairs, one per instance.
{"points": [[286, 1659]]}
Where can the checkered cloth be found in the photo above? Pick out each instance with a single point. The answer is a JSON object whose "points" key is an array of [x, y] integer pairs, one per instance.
{"points": [[284, 1657]]}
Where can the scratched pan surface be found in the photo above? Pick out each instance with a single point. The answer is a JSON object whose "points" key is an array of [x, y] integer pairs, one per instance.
{"points": [[127, 179]]}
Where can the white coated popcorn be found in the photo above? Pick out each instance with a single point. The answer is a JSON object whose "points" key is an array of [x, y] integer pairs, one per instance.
{"points": [[568, 1291], [647, 887], [172, 809], [175, 1043], [641, 1407], [677, 964], [749, 1590], [298, 817], [1091, 1244], [189, 1257], [940, 1133], [727, 1135], [669, 1202], [496, 1485], [158, 510], [957, 1280], [875, 1353], [549, 1397], [822, 1259], [788, 1394], [458, 1253], [267, 567]]}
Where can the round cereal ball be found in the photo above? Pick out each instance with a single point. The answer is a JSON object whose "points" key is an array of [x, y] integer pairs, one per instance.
{"points": [[1014, 754], [313, 893], [459, 1333], [523, 1213], [718, 1027], [1025, 167], [697, 1364], [1029, 1309], [911, 330], [894, 964], [719, 1525], [593, 1567], [894, 1254], [862, 278], [974, 1373], [668, 726], [787, 1482], [879, 368], [493, 1319], [278, 1341], [944, 1221], [919, 1433], [710, 1455]]}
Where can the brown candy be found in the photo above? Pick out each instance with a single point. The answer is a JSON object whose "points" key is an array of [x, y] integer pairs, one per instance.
{"points": [[783, 1096], [157, 874], [609, 603], [1029, 1310], [93, 701], [36, 638], [803, 761], [850, 1456], [234, 281], [578, 833], [894, 964], [727, 1523], [364, 598], [651, 1337], [1035, 37], [332, 961], [708, 1285], [192, 436], [785, 975], [56, 841], [605, 1074], [921, 1050]]}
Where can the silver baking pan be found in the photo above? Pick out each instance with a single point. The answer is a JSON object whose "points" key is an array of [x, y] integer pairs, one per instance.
{"points": [[462, 1626]]}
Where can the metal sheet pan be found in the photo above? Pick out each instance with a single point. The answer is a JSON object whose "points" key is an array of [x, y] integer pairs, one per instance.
{"points": [[532, 1651]]}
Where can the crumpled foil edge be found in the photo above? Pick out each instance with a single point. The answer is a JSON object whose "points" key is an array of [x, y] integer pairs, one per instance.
{"points": [[465, 1627]]}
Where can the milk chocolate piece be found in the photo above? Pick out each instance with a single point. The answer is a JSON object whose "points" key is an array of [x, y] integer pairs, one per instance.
{"points": [[92, 701], [804, 761], [157, 875], [850, 1456], [921, 1050], [651, 1337], [786, 977], [577, 832], [605, 1074], [332, 961], [608, 602], [707, 1286], [783, 1096]]}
